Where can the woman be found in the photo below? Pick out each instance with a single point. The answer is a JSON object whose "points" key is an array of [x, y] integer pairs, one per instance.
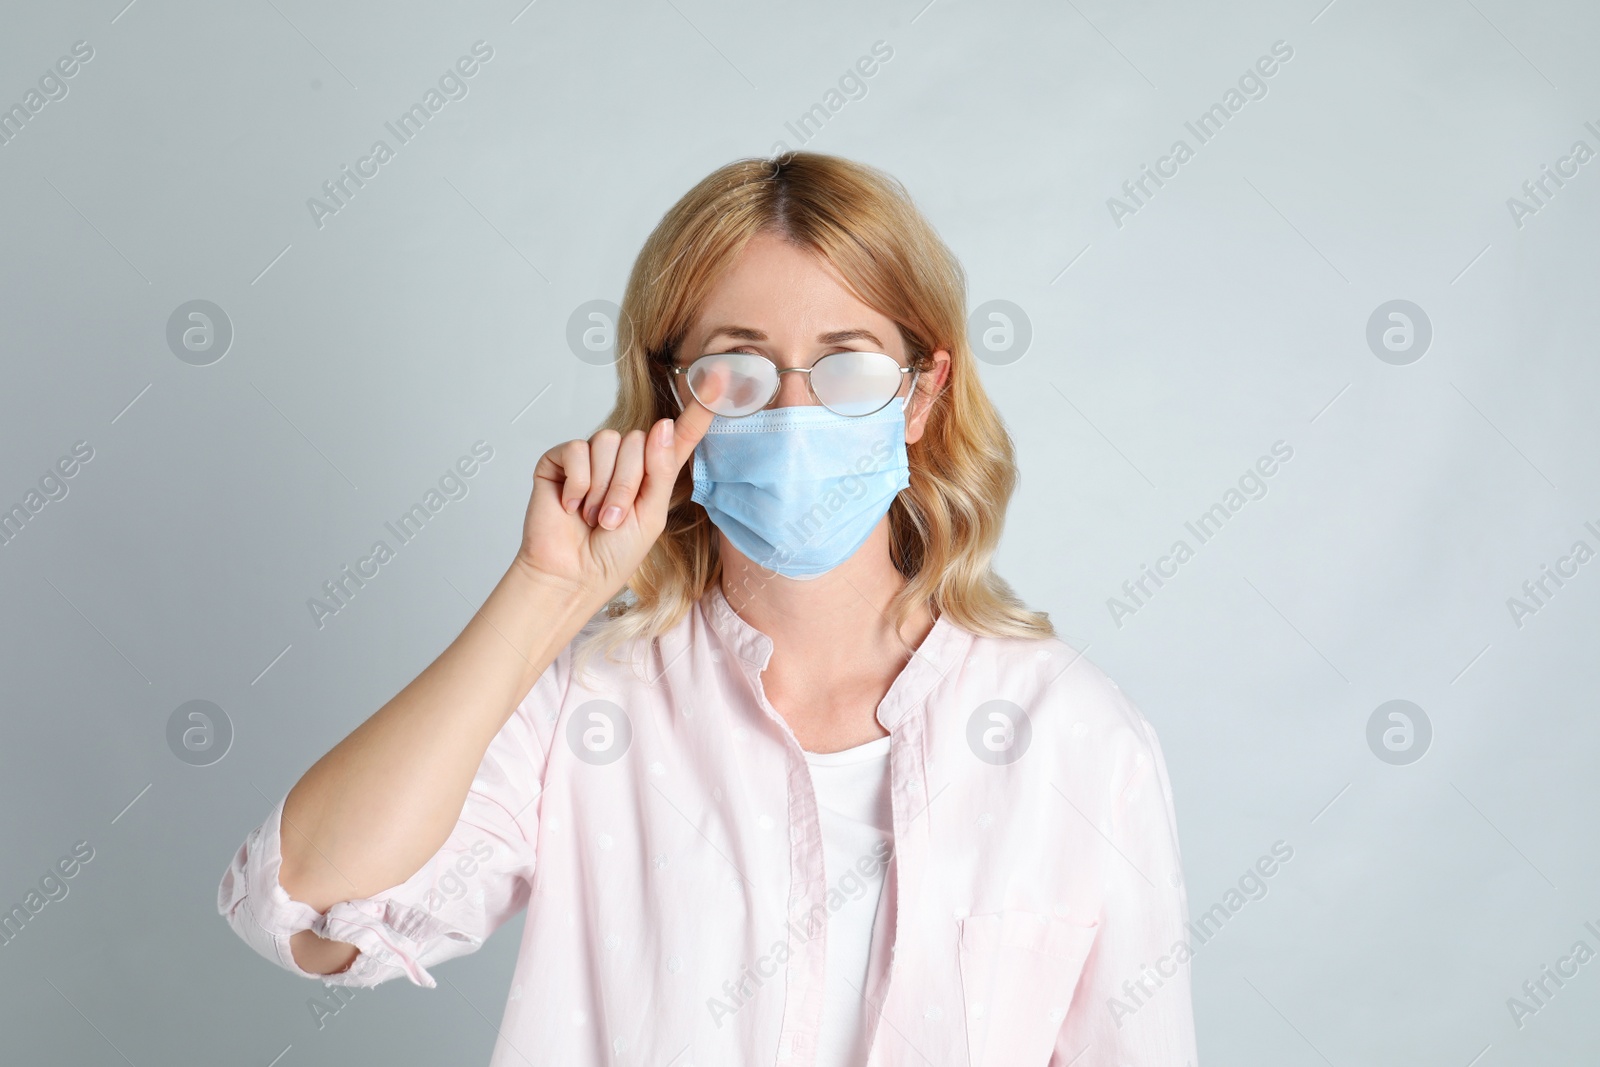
{"points": [[832, 795]]}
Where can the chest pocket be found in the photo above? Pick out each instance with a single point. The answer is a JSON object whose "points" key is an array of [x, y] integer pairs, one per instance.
{"points": [[1018, 972]]}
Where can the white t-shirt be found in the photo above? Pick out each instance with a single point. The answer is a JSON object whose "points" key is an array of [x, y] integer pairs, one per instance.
{"points": [[857, 838]]}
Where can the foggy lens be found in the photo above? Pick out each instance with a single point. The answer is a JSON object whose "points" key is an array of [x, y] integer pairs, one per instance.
{"points": [[732, 384], [855, 383]]}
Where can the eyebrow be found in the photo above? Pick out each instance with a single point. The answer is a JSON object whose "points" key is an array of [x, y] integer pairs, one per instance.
{"points": [[835, 337]]}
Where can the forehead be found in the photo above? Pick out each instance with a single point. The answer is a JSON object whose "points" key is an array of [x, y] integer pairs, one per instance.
{"points": [[790, 296]]}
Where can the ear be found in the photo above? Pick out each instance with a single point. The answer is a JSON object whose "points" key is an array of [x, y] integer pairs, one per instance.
{"points": [[930, 383]]}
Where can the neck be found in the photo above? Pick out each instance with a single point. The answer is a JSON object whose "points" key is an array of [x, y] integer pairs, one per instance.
{"points": [[838, 618]]}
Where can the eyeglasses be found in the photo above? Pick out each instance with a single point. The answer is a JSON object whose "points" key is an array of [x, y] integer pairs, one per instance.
{"points": [[736, 384]]}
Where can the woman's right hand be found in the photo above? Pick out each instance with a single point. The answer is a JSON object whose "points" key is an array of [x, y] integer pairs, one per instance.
{"points": [[598, 505], [354, 825]]}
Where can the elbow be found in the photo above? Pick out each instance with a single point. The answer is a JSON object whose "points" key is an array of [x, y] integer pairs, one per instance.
{"points": [[320, 956]]}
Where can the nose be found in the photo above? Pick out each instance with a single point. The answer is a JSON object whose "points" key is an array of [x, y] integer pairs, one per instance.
{"points": [[794, 388]]}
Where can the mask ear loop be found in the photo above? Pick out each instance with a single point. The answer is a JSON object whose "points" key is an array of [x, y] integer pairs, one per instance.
{"points": [[905, 407]]}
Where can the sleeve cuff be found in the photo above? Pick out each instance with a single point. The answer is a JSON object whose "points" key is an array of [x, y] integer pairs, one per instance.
{"points": [[263, 914]]}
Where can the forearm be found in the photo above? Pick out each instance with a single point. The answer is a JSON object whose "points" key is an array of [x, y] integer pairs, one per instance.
{"points": [[372, 811]]}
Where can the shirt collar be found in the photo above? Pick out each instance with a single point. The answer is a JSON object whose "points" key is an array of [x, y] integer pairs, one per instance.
{"points": [[944, 647]]}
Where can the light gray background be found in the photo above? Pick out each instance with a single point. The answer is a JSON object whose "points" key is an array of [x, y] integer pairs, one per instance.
{"points": [[1167, 354]]}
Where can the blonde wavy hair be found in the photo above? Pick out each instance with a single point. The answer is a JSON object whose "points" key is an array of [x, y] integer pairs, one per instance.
{"points": [[945, 526]]}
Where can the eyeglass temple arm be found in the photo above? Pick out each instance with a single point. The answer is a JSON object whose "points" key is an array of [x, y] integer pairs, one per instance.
{"points": [[672, 384]]}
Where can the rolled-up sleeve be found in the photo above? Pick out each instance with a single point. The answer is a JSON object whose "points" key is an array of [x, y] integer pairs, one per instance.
{"points": [[477, 880], [1133, 1006]]}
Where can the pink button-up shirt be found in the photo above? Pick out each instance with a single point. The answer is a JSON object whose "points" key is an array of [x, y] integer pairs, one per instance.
{"points": [[659, 823]]}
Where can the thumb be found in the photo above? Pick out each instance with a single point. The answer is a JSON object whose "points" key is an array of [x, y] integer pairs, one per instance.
{"points": [[669, 446], [687, 430], [661, 465]]}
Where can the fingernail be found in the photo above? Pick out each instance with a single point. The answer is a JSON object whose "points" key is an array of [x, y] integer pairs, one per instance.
{"points": [[572, 505], [664, 432], [610, 517]]}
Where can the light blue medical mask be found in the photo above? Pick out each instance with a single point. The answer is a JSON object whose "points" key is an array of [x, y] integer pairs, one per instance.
{"points": [[799, 489]]}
